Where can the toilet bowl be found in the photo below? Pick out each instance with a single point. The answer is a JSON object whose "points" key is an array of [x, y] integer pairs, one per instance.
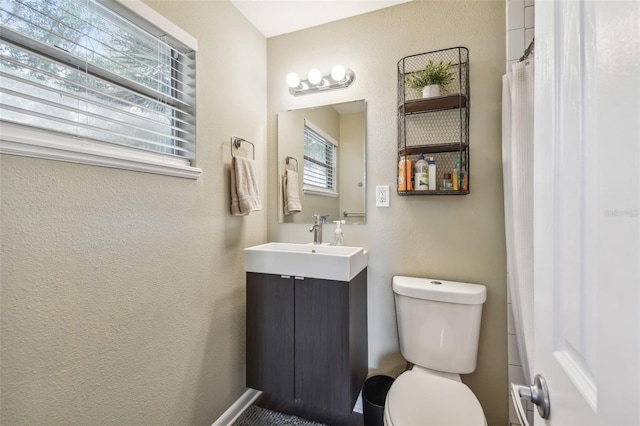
{"points": [[418, 398], [439, 329]]}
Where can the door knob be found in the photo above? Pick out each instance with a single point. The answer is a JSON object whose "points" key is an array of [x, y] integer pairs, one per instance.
{"points": [[538, 393]]}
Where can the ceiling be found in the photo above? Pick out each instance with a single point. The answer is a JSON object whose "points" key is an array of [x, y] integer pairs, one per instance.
{"points": [[276, 17]]}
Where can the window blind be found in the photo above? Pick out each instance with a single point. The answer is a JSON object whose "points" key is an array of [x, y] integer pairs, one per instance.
{"points": [[79, 68], [319, 160]]}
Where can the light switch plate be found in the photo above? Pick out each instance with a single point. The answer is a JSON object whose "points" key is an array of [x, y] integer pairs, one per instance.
{"points": [[382, 196]]}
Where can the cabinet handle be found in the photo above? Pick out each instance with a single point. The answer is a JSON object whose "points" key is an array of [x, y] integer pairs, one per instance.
{"points": [[299, 278], [286, 277]]}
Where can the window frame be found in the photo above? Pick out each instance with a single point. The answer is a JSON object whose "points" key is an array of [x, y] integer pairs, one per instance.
{"points": [[16, 139], [313, 189]]}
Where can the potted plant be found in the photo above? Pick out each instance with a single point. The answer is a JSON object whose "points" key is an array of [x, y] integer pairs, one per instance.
{"points": [[431, 78]]}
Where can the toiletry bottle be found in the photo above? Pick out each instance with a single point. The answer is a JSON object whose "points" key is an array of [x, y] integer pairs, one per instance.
{"points": [[404, 174], [338, 239], [447, 185], [465, 177], [432, 174], [421, 181], [456, 176], [402, 185]]}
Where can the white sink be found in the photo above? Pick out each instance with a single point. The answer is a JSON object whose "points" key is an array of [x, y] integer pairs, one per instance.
{"points": [[340, 263]]}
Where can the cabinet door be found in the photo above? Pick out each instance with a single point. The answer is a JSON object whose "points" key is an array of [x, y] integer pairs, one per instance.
{"points": [[322, 375], [270, 316]]}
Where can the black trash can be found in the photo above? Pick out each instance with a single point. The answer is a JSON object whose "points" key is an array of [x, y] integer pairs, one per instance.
{"points": [[374, 393]]}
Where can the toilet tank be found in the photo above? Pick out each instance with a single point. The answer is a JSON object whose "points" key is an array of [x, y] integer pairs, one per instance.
{"points": [[439, 322]]}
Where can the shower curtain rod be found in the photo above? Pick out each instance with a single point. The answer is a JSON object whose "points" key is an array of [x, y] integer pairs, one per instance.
{"points": [[528, 51]]}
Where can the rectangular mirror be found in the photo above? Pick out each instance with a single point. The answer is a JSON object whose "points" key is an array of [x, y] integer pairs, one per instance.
{"points": [[325, 148]]}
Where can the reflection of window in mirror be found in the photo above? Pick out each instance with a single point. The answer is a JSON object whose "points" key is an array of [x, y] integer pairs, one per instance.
{"points": [[320, 162]]}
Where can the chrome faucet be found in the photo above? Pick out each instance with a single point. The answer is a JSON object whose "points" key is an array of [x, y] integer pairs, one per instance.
{"points": [[317, 228]]}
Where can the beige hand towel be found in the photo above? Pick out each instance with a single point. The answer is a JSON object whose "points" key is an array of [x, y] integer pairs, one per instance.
{"points": [[244, 187], [292, 202]]}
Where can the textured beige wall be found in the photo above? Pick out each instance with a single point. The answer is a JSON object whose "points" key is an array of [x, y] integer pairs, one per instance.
{"points": [[455, 237], [123, 293]]}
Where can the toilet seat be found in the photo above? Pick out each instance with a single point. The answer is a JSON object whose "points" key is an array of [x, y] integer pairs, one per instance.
{"points": [[419, 399]]}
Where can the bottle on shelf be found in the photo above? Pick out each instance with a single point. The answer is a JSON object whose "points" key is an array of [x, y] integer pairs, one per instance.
{"points": [[421, 181], [457, 181], [404, 174], [465, 178], [447, 185], [432, 174]]}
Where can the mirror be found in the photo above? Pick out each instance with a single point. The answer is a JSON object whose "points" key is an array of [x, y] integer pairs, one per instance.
{"points": [[326, 146]]}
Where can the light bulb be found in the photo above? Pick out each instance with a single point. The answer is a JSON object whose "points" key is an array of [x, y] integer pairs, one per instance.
{"points": [[293, 80], [315, 76], [338, 73]]}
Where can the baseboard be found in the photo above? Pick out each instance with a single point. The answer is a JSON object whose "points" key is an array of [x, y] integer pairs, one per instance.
{"points": [[231, 415]]}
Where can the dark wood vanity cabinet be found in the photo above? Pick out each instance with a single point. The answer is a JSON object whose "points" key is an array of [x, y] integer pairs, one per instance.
{"points": [[307, 339]]}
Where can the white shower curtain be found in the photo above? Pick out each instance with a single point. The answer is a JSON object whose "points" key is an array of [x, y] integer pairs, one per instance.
{"points": [[517, 161]]}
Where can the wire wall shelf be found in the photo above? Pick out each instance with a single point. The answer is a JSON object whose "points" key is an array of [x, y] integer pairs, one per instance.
{"points": [[436, 126]]}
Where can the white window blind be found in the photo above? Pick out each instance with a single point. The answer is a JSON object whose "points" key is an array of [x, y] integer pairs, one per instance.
{"points": [[320, 154], [77, 67]]}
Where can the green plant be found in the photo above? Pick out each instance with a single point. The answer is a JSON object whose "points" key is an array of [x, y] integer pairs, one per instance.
{"points": [[433, 73]]}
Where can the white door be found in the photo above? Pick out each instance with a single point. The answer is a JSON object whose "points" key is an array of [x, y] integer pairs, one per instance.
{"points": [[586, 214]]}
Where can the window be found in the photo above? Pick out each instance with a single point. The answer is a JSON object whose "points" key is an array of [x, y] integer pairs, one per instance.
{"points": [[101, 75], [320, 157]]}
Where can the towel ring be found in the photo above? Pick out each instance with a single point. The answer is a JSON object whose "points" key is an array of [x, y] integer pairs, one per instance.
{"points": [[287, 159], [236, 142]]}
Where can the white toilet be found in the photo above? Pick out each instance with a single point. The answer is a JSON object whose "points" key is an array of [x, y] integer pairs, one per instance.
{"points": [[439, 327]]}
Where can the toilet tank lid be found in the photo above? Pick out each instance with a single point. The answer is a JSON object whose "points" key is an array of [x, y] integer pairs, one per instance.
{"points": [[440, 290]]}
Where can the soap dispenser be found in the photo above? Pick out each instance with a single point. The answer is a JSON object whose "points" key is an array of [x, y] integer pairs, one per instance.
{"points": [[338, 239]]}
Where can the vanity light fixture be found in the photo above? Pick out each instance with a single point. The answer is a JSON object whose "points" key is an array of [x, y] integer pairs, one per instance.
{"points": [[339, 78]]}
